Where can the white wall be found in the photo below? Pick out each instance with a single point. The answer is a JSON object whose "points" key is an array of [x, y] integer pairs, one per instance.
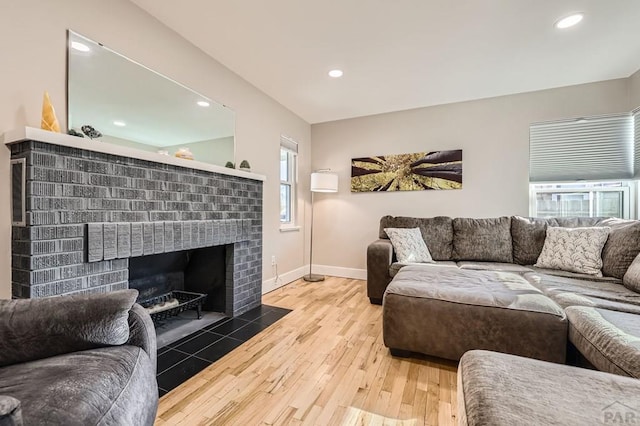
{"points": [[493, 134], [33, 46]]}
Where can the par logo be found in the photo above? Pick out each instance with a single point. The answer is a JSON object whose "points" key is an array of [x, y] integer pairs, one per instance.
{"points": [[620, 414]]}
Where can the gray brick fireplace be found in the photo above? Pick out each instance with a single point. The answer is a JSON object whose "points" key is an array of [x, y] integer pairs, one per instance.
{"points": [[87, 213]]}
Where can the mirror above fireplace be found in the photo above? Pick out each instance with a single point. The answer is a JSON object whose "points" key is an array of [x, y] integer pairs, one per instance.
{"points": [[133, 106]]}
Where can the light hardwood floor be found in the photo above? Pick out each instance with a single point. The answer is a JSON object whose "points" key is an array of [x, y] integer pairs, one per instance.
{"points": [[322, 364]]}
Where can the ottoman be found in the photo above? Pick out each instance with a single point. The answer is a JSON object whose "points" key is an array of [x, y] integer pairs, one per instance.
{"points": [[609, 340], [498, 389], [445, 312]]}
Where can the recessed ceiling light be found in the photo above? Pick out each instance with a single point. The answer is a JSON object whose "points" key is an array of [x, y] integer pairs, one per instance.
{"points": [[119, 123], [81, 47], [203, 103], [569, 21], [335, 73]]}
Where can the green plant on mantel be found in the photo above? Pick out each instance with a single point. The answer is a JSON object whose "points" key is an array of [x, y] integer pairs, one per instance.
{"points": [[245, 165], [230, 165]]}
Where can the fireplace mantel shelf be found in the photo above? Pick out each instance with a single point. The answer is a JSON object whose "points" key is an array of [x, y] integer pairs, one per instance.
{"points": [[31, 133]]}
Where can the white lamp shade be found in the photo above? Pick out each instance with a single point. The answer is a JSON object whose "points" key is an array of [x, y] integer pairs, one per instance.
{"points": [[324, 182]]}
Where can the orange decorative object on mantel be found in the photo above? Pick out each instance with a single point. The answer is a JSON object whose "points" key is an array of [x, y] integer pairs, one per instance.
{"points": [[49, 120], [184, 153]]}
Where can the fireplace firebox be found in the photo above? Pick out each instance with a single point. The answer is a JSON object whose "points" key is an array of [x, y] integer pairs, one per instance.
{"points": [[199, 271]]}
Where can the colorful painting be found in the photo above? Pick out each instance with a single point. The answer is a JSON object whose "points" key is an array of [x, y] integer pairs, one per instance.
{"points": [[407, 172]]}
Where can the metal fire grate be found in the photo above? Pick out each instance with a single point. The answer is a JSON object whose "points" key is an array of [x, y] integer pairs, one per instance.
{"points": [[186, 300]]}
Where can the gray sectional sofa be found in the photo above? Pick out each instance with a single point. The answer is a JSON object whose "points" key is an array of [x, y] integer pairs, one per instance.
{"points": [[482, 301], [483, 276], [77, 360]]}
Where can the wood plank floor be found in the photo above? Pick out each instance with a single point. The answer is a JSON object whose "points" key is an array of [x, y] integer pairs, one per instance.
{"points": [[322, 364]]}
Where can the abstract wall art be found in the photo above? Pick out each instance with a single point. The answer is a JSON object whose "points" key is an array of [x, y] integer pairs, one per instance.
{"points": [[407, 172]]}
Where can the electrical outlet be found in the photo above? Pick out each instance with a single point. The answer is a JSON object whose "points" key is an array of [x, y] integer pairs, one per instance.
{"points": [[273, 261]]}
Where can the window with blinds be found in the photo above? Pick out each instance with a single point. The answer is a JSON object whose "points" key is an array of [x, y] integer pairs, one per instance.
{"points": [[583, 167], [597, 148], [288, 180]]}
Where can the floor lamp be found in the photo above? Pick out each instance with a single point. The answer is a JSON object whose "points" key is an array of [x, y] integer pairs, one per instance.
{"points": [[321, 181]]}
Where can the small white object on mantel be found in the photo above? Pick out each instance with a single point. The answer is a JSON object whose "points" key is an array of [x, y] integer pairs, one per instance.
{"points": [[39, 135]]}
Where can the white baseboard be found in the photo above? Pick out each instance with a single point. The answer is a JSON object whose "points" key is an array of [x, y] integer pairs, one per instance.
{"points": [[338, 271], [284, 279], [334, 271]]}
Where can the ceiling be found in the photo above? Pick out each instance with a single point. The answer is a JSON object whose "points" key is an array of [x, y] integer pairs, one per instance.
{"points": [[405, 54]]}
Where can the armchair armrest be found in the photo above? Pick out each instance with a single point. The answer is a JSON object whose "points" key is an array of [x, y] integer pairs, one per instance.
{"points": [[10, 411], [33, 329], [142, 332], [379, 258]]}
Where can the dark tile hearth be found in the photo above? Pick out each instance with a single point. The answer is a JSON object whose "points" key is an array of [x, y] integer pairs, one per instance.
{"points": [[181, 360]]}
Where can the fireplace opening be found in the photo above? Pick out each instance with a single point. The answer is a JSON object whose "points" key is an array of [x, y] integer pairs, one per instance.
{"points": [[195, 271]]}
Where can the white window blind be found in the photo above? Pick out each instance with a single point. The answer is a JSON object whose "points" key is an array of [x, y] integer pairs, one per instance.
{"points": [[585, 149], [636, 136]]}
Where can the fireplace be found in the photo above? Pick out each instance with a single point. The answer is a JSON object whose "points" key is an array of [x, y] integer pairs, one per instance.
{"points": [[200, 271], [99, 217]]}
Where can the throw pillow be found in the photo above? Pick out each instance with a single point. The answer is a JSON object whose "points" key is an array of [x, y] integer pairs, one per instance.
{"points": [[631, 279], [574, 249], [409, 245], [622, 247]]}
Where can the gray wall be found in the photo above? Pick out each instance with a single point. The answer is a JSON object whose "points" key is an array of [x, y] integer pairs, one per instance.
{"points": [[33, 41], [493, 134]]}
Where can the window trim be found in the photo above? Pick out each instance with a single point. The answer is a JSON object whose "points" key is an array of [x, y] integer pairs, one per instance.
{"points": [[292, 182], [627, 188]]}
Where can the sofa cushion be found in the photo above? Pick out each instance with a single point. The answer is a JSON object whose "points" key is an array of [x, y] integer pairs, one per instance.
{"points": [[38, 328], [528, 235], [409, 245], [631, 279], [482, 239], [499, 389], [623, 245], [436, 231], [574, 249], [396, 266], [594, 292], [493, 266], [609, 340], [106, 386]]}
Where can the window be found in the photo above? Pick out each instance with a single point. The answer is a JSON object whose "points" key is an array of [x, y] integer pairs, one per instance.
{"points": [[594, 157], [592, 149], [288, 180], [589, 199]]}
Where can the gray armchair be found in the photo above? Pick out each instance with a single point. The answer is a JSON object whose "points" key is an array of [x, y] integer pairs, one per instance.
{"points": [[77, 360]]}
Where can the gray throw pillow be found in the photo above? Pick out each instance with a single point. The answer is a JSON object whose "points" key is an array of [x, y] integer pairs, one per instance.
{"points": [[409, 245], [622, 247], [631, 278], [33, 329], [574, 249], [487, 240]]}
